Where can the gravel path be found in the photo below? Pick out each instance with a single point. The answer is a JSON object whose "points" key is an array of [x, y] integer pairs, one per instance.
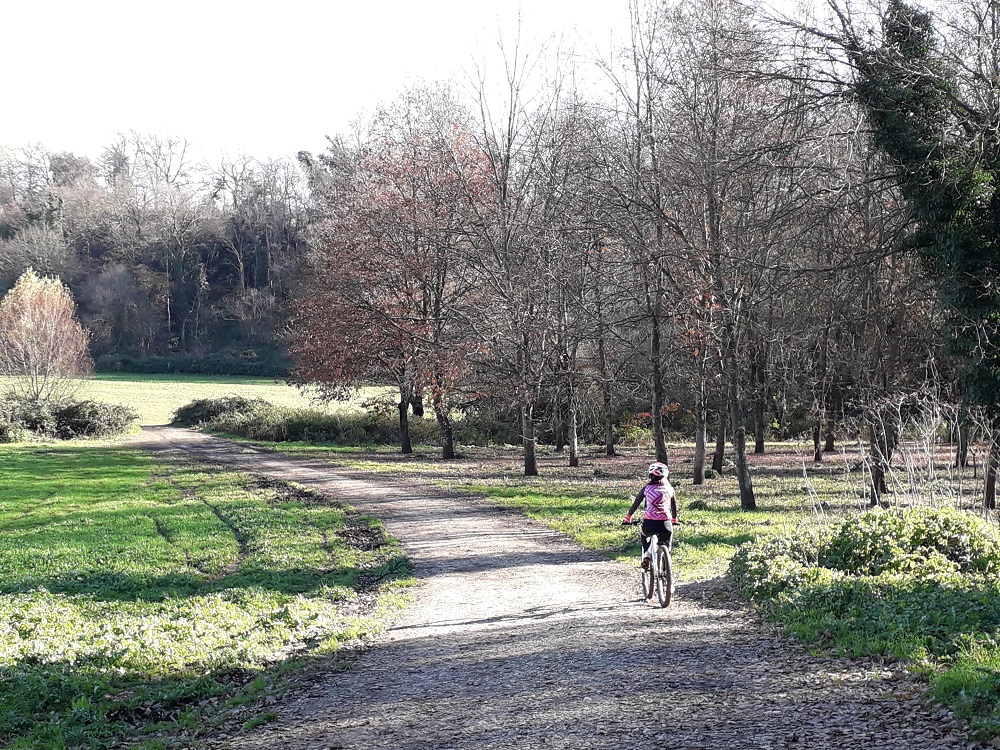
{"points": [[519, 638]]}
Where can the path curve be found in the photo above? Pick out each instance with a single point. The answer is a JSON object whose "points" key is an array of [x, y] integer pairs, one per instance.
{"points": [[519, 638]]}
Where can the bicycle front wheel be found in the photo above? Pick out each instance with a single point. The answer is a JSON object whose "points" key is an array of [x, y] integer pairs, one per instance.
{"points": [[664, 575]]}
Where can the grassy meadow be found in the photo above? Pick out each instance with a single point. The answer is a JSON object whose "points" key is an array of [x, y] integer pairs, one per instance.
{"points": [[156, 397], [142, 603]]}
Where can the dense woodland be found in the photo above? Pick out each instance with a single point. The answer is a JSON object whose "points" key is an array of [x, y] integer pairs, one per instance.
{"points": [[174, 264], [742, 227]]}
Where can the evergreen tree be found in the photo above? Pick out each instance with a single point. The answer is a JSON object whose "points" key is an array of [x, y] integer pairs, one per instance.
{"points": [[948, 159]]}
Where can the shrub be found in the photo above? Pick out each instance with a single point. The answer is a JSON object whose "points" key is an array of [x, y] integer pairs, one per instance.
{"points": [[482, 429], [257, 419], [914, 544], [636, 436], [205, 410], [33, 415], [93, 419], [898, 541], [21, 418], [242, 365], [767, 567], [12, 433]]}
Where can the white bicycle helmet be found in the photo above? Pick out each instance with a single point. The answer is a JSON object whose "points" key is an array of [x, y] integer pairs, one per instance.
{"points": [[658, 470]]}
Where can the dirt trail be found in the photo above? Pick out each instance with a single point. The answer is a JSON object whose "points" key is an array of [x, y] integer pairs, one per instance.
{"points": [[520, 638]]}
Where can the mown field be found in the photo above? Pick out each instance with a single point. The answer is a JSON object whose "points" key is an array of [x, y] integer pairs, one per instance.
{"points": [[156, 397], [143, 604]]}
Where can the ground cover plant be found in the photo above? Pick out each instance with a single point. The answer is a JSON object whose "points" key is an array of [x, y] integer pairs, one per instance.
{"points": [[258, 419], [918, 584], [138, 600]]}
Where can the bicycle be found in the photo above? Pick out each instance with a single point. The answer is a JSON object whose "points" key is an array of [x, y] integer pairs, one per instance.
{"points": [[659, 576]]}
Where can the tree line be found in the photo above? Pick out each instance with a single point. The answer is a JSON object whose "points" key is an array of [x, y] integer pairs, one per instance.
{"points": [[722, 230], [171, 261], [768, 226]]}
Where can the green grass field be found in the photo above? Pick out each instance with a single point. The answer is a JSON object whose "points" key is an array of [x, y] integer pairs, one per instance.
{"points": [[139, 600], [156, 397]]}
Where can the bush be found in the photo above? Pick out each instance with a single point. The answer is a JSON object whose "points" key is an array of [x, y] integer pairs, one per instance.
{"points": [[919, 543], [12, 433], [898, 541], [257, 419], [483, 430], [24, 418], [93, 419], [636, 436], [917, 584], [767, 567], [205, 410], [243, 364], [33, 415]]}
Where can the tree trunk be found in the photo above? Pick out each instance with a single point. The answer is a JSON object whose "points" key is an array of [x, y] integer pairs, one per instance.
{"points": [[834, 407], [404, 423], [559, 429], [444, 422], [417, 404], [609, 423], [760, 427], [817, 453], [990, 489], [720, 446], [829, 446], [748, 501], [962, 450], [700, 436], [528, 440], [574, 441], [882, 437]]}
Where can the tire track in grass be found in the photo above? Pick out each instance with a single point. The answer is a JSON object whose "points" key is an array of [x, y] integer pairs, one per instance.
{"points": [[241, 540], [287, 492], [162, 530], [242, 545]]}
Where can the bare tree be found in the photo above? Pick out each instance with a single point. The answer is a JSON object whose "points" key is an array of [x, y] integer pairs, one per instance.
{"points": [[42, 345], [36, 246]]}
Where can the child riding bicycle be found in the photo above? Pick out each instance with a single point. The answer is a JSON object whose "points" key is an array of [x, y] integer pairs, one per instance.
{"points": [[661, 508]]}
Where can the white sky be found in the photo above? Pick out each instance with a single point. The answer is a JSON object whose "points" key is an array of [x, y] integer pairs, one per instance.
{"points": [[263, 78]]}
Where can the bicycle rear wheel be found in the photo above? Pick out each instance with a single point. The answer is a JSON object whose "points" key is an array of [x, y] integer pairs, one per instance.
{"points": [[648, 580], [664, 575]]}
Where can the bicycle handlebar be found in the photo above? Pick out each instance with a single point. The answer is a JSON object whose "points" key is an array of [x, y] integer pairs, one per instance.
{"points": [[637, 521]]}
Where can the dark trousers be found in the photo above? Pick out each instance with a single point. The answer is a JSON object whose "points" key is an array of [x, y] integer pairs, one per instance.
{"points": [[662, 528]]}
